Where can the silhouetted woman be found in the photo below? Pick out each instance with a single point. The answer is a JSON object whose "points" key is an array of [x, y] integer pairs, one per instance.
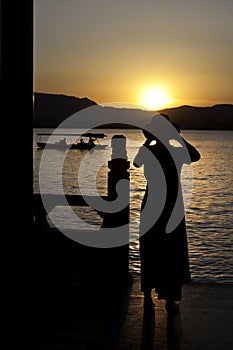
{"points": [[164, 256]]}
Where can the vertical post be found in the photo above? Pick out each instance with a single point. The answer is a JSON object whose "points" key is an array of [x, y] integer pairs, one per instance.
{"points": [[118, 170]]}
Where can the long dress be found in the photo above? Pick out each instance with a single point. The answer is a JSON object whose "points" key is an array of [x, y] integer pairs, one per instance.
{"points": [[164, 256]]}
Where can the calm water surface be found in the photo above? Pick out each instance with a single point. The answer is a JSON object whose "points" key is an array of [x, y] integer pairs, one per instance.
{"points": [[209, 215]]}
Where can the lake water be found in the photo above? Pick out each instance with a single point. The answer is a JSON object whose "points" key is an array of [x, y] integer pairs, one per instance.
{"points": [[209, 215]]}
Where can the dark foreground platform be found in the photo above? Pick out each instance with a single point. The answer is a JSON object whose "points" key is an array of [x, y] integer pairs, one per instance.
{"points": [[115, 319]]}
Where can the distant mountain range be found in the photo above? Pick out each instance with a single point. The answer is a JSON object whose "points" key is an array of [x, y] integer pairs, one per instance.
{"points": [[52, 109]]}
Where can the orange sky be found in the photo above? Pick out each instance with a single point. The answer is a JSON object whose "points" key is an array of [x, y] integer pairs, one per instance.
{"points": [[112, 51]]}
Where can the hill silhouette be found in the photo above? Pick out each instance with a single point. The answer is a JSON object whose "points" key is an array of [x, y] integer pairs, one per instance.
{"points": [[218, 117], [52, 109]]}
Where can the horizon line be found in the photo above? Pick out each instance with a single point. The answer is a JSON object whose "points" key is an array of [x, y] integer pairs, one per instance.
{"points": [[128, 105]]}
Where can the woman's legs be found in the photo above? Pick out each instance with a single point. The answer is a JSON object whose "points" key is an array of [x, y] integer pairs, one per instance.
{"points": [[172, 306], [172, 294]]}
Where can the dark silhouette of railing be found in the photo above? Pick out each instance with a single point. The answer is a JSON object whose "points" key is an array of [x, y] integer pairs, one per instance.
{"points": [[62, 262], [54, 200]]}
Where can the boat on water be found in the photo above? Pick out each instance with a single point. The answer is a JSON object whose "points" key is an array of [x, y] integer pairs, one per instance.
{"points": [[81, 144]]}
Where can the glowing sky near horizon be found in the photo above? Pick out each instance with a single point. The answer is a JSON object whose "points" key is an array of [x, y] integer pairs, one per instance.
{"points": [[112, 51]]}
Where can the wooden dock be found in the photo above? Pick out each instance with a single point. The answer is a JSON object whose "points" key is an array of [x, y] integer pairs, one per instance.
{"points": [[114, 319]]}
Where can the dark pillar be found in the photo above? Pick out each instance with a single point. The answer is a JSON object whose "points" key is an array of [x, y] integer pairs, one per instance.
{"points": [[117, 258]]}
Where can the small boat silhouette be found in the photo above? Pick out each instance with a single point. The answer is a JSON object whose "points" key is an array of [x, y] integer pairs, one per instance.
{"points": [[81, 144]]}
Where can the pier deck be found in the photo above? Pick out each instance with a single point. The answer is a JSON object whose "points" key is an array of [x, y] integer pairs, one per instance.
{"points": [[115, 319]]}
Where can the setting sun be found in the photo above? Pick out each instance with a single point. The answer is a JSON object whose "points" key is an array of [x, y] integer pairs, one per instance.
{"points": [[154, 98]]}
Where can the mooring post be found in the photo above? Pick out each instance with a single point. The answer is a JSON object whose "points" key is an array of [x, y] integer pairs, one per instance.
{"points": [[118, 170]]}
